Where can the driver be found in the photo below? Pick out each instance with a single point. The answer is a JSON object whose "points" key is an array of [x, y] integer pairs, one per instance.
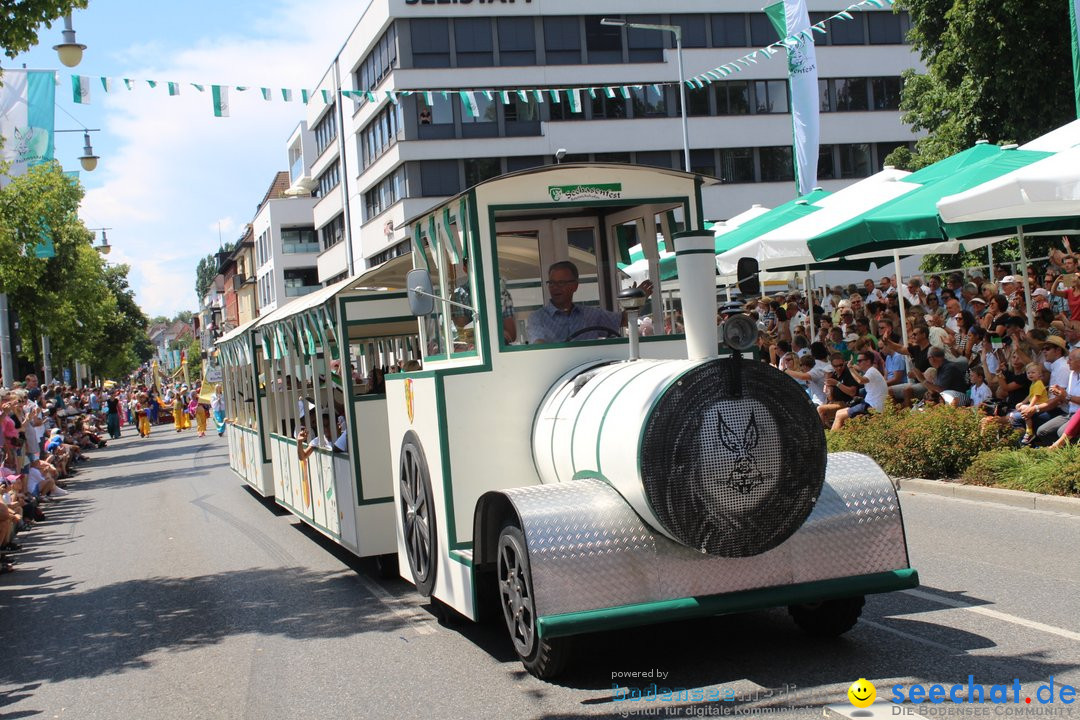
{"points": [[562, 320]]}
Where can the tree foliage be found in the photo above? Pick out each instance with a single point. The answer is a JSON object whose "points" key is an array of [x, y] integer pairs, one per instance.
{"points": [[207, 270], [997, 70], [21, 21]]}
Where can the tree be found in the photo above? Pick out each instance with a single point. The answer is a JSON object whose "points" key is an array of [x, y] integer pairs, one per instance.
{"points": [[987, 79], [124, 344], [21, 21], [207, 270]]}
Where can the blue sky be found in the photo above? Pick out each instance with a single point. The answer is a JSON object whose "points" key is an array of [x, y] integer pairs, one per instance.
{"points": [[170, 172]]}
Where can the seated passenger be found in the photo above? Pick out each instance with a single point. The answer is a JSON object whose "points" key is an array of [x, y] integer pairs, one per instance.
{"points": [[561, 320], [463, 295]]}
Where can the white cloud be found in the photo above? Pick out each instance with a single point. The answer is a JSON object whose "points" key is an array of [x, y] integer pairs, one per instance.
{"points": [[176, 171]]}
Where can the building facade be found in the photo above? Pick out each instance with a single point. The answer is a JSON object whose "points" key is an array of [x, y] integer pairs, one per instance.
{"points": [[373, 164], [285, 246]]}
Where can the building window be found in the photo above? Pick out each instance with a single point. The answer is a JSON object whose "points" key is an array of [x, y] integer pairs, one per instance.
{"points": [[522, 115], [697, 101], [762, 32], [694, 30], [612, 157], [381, 133], [648, 101], [377, 65], [737, 165], [328, 181], [728, 30], [387, 192], [855, 161], [703, 162], [523, 162], [776, 164], [826, 166], [603, 43], [301, 281], [326, 130], [851, 95], [885, 28], [299, 240], [848, 32], [439, 177], [472, 42], [477, 170], [430, 43], [771, 96], [486, 122], [332, 232], [656, 158], [733, 98], [886, 93], [824, 98], [517, 41], [435, 118], [402, 248], [608, 108], [645, 45], [562, 40]]}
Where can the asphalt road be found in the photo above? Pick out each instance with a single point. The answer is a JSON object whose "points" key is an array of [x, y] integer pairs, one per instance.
{"points": [[162, 588]]}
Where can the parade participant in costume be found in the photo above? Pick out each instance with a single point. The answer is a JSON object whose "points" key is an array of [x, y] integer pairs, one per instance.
{"points": [[217, 406]]}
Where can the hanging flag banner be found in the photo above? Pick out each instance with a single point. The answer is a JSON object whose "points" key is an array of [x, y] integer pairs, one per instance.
{"points": [[792, 23], [220, 93], [1074, 15], [174, 88], [27, 107], [80, 89], [107, 84]]}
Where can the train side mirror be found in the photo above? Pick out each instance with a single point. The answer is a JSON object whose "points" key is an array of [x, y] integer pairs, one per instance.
{"points": [[421, 293], [747, 272]]}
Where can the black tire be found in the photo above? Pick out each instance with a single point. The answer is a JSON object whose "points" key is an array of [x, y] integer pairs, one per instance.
{"points": [[544, 658], [828, 618], [418, 526], [386, 566]]}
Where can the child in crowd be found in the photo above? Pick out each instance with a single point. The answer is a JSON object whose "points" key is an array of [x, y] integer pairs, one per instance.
{"points": [[1036, 394], [980, 392]]}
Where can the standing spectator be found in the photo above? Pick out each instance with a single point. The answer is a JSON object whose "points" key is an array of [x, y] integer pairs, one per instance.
{"points": [[914, 292], [1058, 303], [112, 416], [1070, 290]]}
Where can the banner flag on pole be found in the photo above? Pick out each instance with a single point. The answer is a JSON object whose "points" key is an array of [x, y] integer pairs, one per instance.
{"points": [[80, 89], [27, 109], [220, 94], [174, 88], [791, 19], [1074, 16]]}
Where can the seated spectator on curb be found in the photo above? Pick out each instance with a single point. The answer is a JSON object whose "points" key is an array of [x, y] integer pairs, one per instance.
{"points": [[877, 392]]}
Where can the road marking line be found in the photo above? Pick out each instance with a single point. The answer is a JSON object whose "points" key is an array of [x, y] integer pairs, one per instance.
{"points": [[914, 638], [405, 610], [996, 614]]}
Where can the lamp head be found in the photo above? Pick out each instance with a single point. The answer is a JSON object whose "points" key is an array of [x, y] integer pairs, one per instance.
{"points": [[88, 159]]}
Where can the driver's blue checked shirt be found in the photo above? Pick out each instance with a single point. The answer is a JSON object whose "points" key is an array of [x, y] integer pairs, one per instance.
{"points": [[549, 324]]}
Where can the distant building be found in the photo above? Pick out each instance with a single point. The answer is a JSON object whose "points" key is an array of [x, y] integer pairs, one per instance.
{"points": [[285, 246]]}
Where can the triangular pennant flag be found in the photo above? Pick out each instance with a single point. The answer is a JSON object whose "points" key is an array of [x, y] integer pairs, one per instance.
{"points": [[468, 102], [610, 92], [240, 88], [453, 244], [524, 97], [304, 96], [490, 95], [625, 92], [220, 94], [392, 96], [555, 96], [539, 95], [152, 83], [325, 96], [592, 93], [429, 98], [419, 256], [128, 83], [107, 84], [198, 87], [174, 88], [286, 95], [265, 93], [80, 89], [573, 95], [370, 95], [504, 97]]}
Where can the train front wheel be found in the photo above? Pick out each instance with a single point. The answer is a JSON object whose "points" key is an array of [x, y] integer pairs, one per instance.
{"points": [[418, 526], [828, 618], [544, 658]]}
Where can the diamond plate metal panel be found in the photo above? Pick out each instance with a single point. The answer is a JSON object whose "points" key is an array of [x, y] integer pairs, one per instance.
{"points": [[590, 550]]}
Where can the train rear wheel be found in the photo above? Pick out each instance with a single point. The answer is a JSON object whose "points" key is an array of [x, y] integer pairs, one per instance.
{"points": [[543, 658], [418, 526]]}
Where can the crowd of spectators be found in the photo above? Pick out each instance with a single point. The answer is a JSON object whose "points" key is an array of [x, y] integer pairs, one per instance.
{"points": [[47, 432], [969, 343]]}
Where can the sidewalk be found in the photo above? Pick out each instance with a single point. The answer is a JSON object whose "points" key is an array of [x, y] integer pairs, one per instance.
{"points": [[1001, 496]]}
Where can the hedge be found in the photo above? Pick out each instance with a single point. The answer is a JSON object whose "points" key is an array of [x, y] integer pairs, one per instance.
{"points": [[939, 441], [1040, 470]]}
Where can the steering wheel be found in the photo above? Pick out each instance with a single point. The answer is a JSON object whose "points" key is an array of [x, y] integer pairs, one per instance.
{"points": [[611, 332]]}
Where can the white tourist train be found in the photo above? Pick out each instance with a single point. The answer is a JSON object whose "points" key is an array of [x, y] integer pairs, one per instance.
{"points": [[568, 483]]}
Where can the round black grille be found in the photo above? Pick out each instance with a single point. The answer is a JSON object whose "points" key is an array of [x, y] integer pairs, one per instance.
{"points": [[733, 458]]}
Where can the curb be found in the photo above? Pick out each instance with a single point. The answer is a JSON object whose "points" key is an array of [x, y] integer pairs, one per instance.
{"points": [[1000, 496]]}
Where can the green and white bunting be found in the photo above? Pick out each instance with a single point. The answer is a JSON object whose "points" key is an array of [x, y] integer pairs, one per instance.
{"points": [[80, 89], [220, 94]]}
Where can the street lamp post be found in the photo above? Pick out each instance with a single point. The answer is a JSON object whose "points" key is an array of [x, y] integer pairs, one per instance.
{"points": [[70, 52], [677, 32]]}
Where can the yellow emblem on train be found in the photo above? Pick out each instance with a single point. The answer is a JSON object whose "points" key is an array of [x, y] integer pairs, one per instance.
{"points": [[409, 398]]}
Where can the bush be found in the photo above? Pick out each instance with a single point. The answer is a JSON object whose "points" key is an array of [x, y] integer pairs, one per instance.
{"points": [[1052, 472], [939, 441]]}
